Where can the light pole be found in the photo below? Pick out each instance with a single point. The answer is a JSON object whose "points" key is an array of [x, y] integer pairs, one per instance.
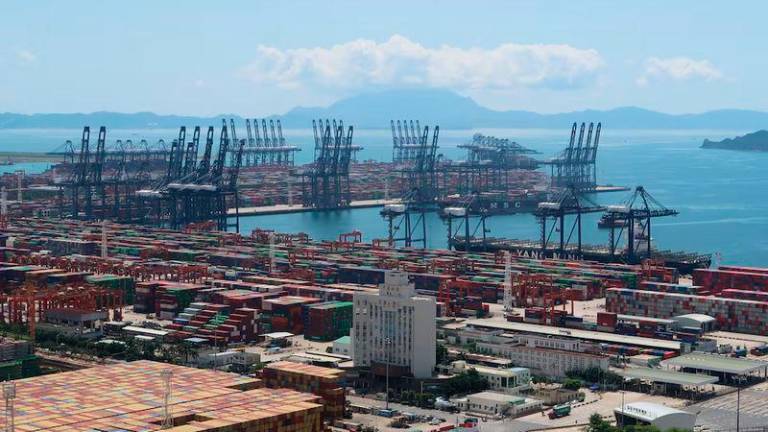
{"points": [[387, 343], [738, 403], [623, 382]]}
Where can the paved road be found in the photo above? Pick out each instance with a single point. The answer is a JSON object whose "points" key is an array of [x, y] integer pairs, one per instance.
{"points": [[720, 412], [489, 426]]}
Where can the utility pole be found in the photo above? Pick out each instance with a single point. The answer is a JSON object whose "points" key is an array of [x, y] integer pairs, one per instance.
{"points": [[738, 404], [9, 394], [20, 178], [271, 252], [290, 192], [3, 208], [387, 344], [167, 374], [508, 295], [104, 252], [623, 382]]}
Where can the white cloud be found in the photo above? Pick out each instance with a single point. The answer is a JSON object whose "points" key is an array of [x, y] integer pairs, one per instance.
{"points": [[678, 68], [401, 62], [26, 56]]}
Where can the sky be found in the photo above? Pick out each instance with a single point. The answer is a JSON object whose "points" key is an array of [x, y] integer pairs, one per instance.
{"points": [[259, 58]]}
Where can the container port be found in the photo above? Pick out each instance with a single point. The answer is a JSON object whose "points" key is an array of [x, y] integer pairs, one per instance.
{"points": [[138, 302]]}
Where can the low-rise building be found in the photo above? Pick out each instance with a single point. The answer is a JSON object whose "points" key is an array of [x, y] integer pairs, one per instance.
{"points": [[498, 404], [505, 380], [546, 361], [237, 360], [661, 416], [343, 346], [543, 355]]}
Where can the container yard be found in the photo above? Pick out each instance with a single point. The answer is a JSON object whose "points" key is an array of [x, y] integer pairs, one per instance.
{"points": [[132, 397], [286, 302]]}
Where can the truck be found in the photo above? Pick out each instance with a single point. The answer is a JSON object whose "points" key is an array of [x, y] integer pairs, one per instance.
{"points": [[739, 352], [559, 411]]}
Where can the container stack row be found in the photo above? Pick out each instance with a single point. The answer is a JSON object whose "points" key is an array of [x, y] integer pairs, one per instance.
{"points": [[745, 316]]}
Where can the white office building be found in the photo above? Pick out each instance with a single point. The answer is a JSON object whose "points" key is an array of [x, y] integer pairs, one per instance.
{"points": [[498, 404], [550, 356], [504, 380], [394, 327]]}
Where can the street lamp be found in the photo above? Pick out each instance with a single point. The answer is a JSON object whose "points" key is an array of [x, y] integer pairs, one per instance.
{"points": [[623, 387], [738, 402], [387, 343]]}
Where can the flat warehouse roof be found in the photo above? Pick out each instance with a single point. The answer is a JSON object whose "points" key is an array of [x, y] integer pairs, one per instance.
{"points": [[716, 363], [668, 376], [642, 318], [578, 334]]}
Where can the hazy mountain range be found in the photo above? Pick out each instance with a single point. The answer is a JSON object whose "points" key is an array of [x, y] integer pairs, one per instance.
{"points": [[448, 109]]}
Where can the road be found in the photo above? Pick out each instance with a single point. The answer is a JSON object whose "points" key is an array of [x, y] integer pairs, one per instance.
{"points": [[719, 413], [506, 425]]}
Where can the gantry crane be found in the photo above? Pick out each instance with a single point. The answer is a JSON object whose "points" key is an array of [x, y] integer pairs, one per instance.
{"points": [[567, 203], [634, 216]]}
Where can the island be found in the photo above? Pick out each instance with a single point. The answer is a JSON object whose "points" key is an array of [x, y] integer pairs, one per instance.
{"points": [[755, 141]]}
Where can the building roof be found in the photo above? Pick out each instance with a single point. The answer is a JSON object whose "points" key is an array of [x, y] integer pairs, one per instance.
{"points": [[305, 369], [291, 300], [332, 305], [668, 376], [129, 397], [701, 318], [716, 363], [146, 331], [648, 411], [345, 340], [637, 318], [495, 396], [594, 336], [277, 335], [489, 370]]}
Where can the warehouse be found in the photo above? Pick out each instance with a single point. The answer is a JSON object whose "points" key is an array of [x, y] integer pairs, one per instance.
{"points": [[587, 335], [669, 382], [727, 368], [129, 397], [498, 404], [699, 322], [646, 413]]}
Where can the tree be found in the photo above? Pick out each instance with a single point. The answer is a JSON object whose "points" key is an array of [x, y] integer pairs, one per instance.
{"points": [[465, 382], [597, 424], [441, 353], [572, 384]]}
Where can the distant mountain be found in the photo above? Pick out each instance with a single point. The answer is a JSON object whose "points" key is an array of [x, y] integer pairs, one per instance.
{"points": [[446, 108], [755, 141]]}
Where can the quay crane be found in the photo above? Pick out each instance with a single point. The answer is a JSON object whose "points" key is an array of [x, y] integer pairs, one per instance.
{"points": [[635, 216], [568, 203]]}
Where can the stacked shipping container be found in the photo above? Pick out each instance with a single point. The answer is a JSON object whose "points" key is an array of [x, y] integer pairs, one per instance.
{"points": [[738, 315]]}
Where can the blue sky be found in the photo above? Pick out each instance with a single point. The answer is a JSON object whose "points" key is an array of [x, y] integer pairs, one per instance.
{"points": [[257, 58]]}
